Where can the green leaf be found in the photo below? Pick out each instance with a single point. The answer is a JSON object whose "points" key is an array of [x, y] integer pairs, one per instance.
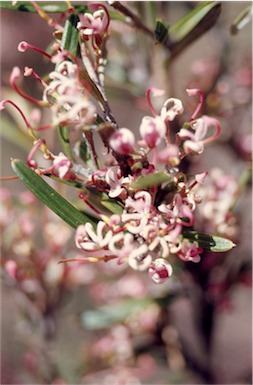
{"points": [[161, 31], [69, 42], [47, 6], [103, 203], [241, 20], [70, 37], [193, 25], [117, 312], [49, 196], [209, 242], [150, 180], [63, 133]]}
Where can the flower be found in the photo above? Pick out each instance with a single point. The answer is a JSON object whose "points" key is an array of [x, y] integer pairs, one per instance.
{"points": [[89, 240], [171, 108], [160, 270], [189, 252], [62, 166], [96, 23]]}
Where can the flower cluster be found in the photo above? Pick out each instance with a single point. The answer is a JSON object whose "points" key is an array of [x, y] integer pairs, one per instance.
{"points": [[152, 201]]}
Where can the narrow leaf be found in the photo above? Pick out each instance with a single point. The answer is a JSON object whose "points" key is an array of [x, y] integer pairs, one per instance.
{"points": [[241, 20], [193, 25], [49, 196], [150, 180], [70, 43], [47, 6], [109, 314], [161, 31], [70, 37], [209, 242]]}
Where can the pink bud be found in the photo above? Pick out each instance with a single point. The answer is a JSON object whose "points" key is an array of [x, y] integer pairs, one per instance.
{"points": [[123, 141], [152, 130], [11, 268]]}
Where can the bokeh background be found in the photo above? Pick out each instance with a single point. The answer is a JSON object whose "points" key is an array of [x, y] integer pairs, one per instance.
{"points": [[95, 324]]}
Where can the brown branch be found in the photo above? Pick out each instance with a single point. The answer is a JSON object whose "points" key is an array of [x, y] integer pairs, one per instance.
{"points": [[135, 19]]}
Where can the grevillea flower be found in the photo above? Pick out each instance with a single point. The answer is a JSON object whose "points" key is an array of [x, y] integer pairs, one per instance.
{"points": [[61, 166], [190, 252], [171, 108], [160, 270], [96, 23]]}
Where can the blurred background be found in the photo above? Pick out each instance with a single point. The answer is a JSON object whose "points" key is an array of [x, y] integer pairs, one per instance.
{"points": [[98, 324]]}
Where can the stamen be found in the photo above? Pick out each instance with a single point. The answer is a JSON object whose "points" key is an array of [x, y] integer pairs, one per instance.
{"points": [[155, 92], [212, 121], [30, 71], [16, 75], [23, 46], [194, 92], [29, 128]]}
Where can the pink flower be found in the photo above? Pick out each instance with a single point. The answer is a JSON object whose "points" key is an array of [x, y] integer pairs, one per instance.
{"points": [[171, 108], [61, 166], [116, 183], [94, 24], [160, 270], [123, 141], [196, 140], [189, 252], [152, 130], [90, 240], [139, 259]]}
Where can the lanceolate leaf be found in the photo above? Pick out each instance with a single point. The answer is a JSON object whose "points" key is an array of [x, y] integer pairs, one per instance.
{"points": [[70, 35], [70, 43], [150, 180], [241, 20], [192, 26], [47, 6], [49, 196], [109, 314], [209, 242]]}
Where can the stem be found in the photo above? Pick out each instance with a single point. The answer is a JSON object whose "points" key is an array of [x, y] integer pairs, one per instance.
{"points": [[137, 22]]}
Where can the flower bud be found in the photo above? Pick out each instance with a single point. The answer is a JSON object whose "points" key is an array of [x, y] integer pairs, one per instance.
{"points": [[123, 141]]}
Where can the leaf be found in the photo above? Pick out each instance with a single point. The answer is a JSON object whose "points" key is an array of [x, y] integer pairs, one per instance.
{"points": [[161, 31], [209, 242], [150, 180], [109, 314], [103, 203], [49, 196], [47, 6], [70, 37], [63, 133], [193, 25], [241, 20], [69, 42]]}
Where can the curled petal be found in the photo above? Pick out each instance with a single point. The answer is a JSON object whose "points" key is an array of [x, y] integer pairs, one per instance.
{"points": [[171, 108], [138, 260]]}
